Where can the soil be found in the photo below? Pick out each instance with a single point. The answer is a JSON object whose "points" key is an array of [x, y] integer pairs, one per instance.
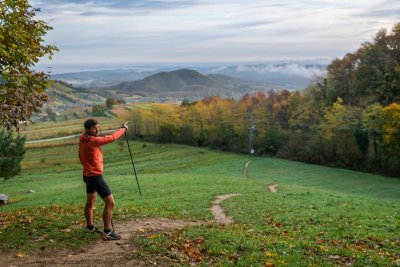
{"points": [[218, 212], [246, 168], [272, 188], [123, 252]]}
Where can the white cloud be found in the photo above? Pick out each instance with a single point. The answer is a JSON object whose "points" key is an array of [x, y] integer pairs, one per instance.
{"points": [[211, 30], [292, 69]]}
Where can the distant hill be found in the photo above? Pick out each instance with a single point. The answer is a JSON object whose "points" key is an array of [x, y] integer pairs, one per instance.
{"points": [[61, 96], [272, 75], [187, 83]]}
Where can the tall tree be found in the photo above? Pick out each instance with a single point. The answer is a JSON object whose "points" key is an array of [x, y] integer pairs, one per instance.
{"points": [[392, 139], [371, 74], [372, 121], [21, 47], [392, 126]]}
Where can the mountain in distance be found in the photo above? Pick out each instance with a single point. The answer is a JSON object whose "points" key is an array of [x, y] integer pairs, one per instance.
{"points": [[104, 78], [292, 75], [177, 84], [62, 96], [186, 83]]}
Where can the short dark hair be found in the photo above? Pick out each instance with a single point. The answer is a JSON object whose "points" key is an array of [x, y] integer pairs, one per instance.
{"points": [[89, 123]]}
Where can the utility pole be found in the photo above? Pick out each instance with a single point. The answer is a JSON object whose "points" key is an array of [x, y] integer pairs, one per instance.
{"points": [[252, 129]]}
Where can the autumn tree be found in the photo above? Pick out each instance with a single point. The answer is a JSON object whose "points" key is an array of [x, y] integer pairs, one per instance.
{"points": [[372, 122], [338, 128], [21, 47], [371, 74], [193, 121], [167, 133], [391, 138]]}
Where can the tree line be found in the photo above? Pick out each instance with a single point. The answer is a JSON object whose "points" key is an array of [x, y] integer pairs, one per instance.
{"points": [[349, 118]]}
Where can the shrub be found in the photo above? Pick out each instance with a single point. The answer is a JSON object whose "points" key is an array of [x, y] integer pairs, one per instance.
{"points": [[12, 151]]}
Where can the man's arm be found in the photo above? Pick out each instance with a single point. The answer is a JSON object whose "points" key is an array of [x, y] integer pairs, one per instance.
{"points": [[102, 140]]}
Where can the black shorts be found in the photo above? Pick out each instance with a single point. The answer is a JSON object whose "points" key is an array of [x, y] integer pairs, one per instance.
{"points": [[96, 184]]}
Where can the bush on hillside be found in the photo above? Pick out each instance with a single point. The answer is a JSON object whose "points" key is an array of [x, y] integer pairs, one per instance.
{"points": [[12, 151], [98, 110]]}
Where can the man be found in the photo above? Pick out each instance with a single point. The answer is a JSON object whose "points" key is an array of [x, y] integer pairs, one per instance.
{"points": [[91, 157]]}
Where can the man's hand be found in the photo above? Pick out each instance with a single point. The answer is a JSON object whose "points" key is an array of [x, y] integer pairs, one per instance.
{"points": [[125, 125]]}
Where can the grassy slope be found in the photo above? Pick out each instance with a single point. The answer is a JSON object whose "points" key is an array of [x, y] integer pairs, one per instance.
{"points": [[45, 130], [320, 216]]}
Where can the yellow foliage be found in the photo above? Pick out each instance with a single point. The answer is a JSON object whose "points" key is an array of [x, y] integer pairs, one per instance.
{"points": [[391, 115], [334, 118], [269, 254]]}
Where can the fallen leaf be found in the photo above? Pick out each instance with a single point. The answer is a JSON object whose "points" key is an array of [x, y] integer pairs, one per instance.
{"points": [[153, 236], [269, 254], [323, 248]]}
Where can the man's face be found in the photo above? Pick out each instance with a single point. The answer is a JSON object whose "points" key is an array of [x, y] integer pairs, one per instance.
{"points": [[94, 130]]}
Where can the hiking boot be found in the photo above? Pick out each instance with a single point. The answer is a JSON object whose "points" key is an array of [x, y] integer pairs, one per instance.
{"points": [[93, 230], [110, 236]]}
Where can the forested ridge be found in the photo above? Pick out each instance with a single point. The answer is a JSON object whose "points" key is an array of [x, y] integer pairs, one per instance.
{"points": [[349, 118]]}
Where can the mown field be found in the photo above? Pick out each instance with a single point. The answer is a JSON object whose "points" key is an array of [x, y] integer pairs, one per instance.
{"points": [[319, 217], [43, 130]]}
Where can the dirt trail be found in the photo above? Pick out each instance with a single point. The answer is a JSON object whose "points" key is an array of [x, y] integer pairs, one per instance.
{"points": [[104, 253], [218, 212], [113, 253], [272, 188], [246, 168]]}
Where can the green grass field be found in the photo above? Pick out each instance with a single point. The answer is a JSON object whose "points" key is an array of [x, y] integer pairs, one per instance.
{"points": [[319, 217], [45, 130]]}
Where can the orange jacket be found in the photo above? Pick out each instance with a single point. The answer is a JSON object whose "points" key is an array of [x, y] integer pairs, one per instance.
{"points": [[90, 153]]}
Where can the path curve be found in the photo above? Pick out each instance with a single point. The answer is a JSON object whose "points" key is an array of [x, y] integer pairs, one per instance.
{"points": [[218, 212], [246, 167], [272, 188]]}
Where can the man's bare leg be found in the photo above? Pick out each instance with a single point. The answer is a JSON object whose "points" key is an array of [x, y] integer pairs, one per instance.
{"points": [[107, 212], [90, 201]]}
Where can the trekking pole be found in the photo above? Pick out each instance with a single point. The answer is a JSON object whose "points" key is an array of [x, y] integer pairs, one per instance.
{"points": [[133, 165]]}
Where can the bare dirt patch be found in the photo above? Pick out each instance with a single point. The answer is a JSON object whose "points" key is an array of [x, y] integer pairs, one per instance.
{"points": [[103, 253], [218, 212], [123, 252], [272, 188], [246, 168]]}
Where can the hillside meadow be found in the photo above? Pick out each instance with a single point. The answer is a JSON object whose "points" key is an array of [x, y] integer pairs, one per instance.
{"points": [[319, 217], [43, 130]]}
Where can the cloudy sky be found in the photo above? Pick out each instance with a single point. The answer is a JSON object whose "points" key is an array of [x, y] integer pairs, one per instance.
{"points": [[122, 33]]}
